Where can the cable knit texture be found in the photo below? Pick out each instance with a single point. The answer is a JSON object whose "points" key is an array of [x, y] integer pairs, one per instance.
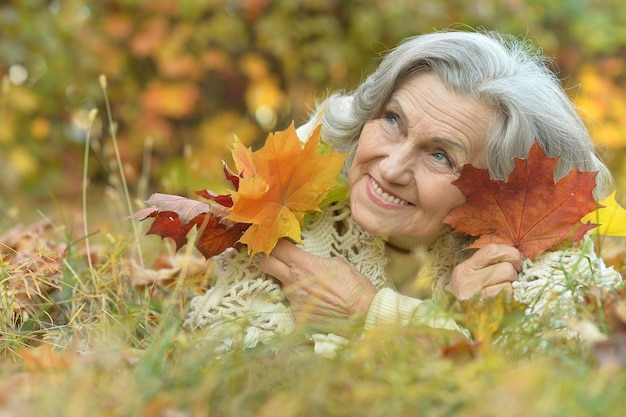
{"points": [[244, 306]]}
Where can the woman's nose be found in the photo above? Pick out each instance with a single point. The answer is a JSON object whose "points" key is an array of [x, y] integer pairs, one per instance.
{"points": [[397, 166]]}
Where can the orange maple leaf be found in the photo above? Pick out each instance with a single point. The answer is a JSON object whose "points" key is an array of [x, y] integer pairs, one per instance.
{"points": [[279, 184], [528, 211]]}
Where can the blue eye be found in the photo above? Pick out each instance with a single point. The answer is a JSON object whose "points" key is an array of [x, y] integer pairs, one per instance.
{"points": [[443, 157], [392, 118]]}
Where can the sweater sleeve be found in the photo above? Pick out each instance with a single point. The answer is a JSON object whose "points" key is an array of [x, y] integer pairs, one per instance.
{"points": [[553, 286], [390, 308]]}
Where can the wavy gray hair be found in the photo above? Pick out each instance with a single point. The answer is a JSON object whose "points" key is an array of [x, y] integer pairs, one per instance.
{"points": [[502, 71]]}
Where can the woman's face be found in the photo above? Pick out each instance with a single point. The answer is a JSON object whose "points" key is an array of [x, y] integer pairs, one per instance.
{"points": [[406, 159]]}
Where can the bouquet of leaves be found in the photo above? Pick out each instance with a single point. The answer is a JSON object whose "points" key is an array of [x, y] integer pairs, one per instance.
{"points": [[274, 189]]}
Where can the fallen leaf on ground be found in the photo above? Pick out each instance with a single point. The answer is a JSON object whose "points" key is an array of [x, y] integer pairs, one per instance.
{"points": [[45, 358], [31, 269], [612, 350], [485, 318], [23, 239], [168, 268]]}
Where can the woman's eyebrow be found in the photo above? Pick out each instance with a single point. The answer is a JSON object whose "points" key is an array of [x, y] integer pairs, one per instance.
{"points": [[452, 143]]}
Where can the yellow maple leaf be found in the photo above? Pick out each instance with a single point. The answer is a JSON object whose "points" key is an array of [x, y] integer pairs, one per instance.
{"points": [[279, 184], [611, 217]]}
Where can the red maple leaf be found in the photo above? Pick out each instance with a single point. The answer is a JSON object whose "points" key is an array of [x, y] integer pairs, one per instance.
{"points": [[175, 216], [528, 211]]}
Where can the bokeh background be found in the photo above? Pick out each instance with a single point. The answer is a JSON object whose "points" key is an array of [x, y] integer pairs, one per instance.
{"points": [[184, 76]]}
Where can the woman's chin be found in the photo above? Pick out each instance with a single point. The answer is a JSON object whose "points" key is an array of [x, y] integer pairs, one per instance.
{"points": [[374, 224], [391, 225]]}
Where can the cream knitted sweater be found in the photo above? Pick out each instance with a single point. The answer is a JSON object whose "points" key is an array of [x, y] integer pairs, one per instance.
{"points": [[244, 306]]}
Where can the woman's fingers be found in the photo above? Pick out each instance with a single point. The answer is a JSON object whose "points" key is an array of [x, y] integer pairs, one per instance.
{"points": [[493, 290], [487, 271], [285, 261], [493, 253], [288, 253], [276, 268]]}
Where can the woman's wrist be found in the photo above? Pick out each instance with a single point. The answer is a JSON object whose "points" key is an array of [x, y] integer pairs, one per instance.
{"points": [[364, 301]]}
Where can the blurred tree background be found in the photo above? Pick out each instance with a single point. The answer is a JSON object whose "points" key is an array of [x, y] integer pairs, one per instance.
{"points": [[184, 76]]}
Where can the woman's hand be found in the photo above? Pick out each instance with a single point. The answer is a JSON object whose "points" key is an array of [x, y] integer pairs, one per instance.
{"points": [[488, 271], [322, 292]]}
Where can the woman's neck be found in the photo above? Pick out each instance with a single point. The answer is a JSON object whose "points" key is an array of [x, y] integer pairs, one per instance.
{"points": [[410, 243]]}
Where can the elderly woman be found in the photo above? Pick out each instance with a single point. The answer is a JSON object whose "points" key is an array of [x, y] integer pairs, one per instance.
{"points": [[435, 103]]}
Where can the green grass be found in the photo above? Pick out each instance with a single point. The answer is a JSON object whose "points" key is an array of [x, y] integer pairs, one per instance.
{"points": [[170, 374], [108, 348]]}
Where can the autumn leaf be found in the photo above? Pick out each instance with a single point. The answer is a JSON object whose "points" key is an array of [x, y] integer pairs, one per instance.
{"points": [[610, 217], [528, 211], [46, 358], [279, 184], [175, 216], [485, 318], [168, 268], [32, 268], [216, 236], [274, 188]]}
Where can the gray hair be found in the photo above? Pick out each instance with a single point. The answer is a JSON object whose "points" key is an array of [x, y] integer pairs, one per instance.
{"points": [[505, 72]]}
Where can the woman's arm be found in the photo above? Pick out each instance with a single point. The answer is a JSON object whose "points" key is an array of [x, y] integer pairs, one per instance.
{"points": [[329, 294], [326, 292], [390, 309]]}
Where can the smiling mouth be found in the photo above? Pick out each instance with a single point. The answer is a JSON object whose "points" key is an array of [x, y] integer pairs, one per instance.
{"points": [[385, 196]]}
